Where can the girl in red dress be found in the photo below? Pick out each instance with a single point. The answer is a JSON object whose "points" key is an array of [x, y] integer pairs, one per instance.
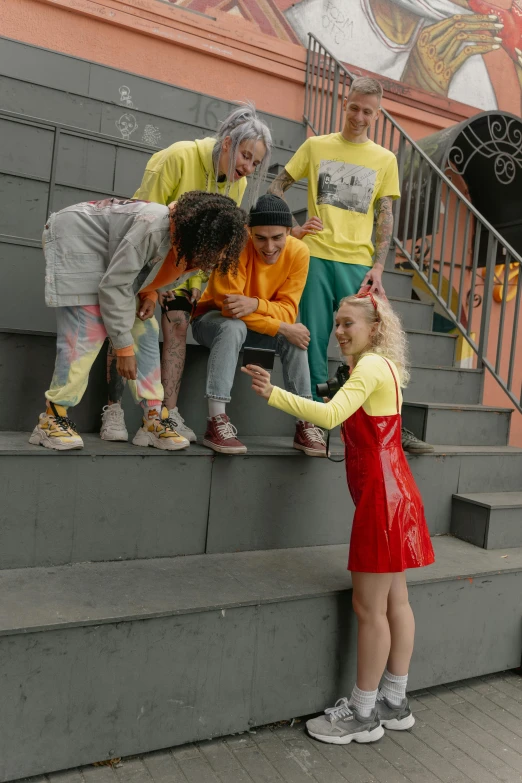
{"points": [[389, 532]]}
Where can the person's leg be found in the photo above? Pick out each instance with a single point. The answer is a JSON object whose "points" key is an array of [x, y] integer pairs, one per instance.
{"points": [[348, 279], [224, 337], [174, 323], [113, 420], [157, 429], [370, 604], [80, 336], [115, 382], [392, 705], [296, 378], [316, 313]]}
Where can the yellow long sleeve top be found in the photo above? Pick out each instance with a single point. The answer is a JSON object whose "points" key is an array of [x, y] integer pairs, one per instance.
{"points": [[278, 287], [370, 385]]}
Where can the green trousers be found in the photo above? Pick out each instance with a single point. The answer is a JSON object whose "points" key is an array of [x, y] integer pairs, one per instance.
{"points": [[327, 283]]}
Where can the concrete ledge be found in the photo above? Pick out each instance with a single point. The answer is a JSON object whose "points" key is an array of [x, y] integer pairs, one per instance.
{"points": [[118, 659]]}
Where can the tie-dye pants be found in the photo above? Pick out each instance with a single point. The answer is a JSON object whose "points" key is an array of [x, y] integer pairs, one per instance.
{"points": [[80, 336]]}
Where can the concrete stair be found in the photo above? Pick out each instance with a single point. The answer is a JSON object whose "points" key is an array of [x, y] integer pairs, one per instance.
{"points": [[152, 599], [492, 520], [108, 659]]}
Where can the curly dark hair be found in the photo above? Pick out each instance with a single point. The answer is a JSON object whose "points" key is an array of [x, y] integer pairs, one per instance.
{"points": [[208, 231]]}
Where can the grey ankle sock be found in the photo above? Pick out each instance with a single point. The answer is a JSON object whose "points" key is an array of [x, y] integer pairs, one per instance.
{"points": [[393, 687], [363, 701]]}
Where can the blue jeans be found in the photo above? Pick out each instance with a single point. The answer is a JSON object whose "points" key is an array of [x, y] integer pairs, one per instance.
{"points": [[226, 336]]}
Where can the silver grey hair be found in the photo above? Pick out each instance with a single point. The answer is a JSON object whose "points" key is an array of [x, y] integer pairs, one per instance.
{"points": [[365, 85], [243, 124]]}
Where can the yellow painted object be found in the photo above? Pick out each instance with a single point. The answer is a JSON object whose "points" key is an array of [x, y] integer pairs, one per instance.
{"points": [[500, 273], [464, 354]]}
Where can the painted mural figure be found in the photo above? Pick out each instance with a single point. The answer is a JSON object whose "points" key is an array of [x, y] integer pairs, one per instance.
{"points": [[435, 45]]}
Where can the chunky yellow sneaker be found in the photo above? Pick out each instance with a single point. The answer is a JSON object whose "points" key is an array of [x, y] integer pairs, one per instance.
{"points": [[55, 431], [160, 433]]}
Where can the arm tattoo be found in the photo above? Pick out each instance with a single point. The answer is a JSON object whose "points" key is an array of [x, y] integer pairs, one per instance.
{"points": [[281, 183], [384, 229]]}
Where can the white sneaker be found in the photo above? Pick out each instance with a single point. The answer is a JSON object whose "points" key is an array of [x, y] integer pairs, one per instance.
{"points": [[113, 423], [180, 426], [56, 432], [160, 433]]}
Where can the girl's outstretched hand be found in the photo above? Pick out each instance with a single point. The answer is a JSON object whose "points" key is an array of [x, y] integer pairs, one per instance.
{"points": [[260, 380]]}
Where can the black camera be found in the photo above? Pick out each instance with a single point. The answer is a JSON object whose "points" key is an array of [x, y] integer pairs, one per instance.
{"points": [[333, 385]]}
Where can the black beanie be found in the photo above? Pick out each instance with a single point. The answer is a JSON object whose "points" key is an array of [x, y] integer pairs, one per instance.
{"points": [[270, 211]]}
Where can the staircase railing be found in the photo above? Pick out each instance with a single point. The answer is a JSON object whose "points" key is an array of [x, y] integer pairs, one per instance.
{"points": [[462, 261]]}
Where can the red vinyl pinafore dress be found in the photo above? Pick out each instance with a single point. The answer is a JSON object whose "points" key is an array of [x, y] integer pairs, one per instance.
{"points": [[389, 531]]}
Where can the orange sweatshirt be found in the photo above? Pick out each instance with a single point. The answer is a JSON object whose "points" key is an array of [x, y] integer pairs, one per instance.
{"points": [[168, 273], [278, 287]]}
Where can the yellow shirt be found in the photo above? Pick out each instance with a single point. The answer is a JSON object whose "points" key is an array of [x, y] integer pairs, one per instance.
{"points": [[278, 287], [344, 181], [370, 385], [184, 166]]}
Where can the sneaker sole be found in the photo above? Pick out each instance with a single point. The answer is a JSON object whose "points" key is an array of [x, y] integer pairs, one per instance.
{"points": [[40, 439], [363, 737], [123, 438], [309, 452], [142, 439], [418, 451], [399, 725], [225, 449]]}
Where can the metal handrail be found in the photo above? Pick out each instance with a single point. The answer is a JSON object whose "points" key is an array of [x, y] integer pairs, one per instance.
{"points": [[431, 208]]}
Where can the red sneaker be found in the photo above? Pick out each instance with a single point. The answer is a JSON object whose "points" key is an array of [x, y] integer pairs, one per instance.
{"points": [[310, 439], [221, 436]]}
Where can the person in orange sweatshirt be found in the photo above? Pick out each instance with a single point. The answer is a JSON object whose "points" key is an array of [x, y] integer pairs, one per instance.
{"points": [[257, 307]]}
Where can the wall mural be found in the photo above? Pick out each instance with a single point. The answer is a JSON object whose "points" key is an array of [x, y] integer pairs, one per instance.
{"points": [[445, 47]]}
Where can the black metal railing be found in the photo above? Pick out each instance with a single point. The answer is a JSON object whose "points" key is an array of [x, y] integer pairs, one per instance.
{"points": [[463, 262]]}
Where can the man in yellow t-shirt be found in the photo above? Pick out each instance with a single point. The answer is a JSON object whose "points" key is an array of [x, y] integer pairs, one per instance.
{"points": [[350, 179]]}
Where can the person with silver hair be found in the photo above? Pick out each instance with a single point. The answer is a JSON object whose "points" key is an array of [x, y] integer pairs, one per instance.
{"points": [[241, 148]]}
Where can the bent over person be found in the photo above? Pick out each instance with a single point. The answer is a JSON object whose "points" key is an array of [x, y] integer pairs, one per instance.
{"points": [[257, 308], [240, 149], [104, 261]]}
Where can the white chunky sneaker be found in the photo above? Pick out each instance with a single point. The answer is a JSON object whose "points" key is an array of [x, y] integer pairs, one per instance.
{"points": [[113, 423], [56, 431], [160, 433], [341, 725], [180, 426]]}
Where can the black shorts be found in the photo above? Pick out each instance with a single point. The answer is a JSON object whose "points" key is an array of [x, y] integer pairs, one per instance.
{"points": [[180, 302]]}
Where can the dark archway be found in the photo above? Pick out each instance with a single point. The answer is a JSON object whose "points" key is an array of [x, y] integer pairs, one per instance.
{"points": [[486, 151]]}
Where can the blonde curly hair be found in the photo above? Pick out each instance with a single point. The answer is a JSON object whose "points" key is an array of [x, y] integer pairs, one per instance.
{"points": [[389, 339]]}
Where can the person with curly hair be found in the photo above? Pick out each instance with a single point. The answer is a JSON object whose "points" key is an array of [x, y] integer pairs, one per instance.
{"points": [[389, 530], [104, 259], [241, 148]]}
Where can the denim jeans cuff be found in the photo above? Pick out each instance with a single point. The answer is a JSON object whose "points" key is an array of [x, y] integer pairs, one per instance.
{"points": [[217, 398]]}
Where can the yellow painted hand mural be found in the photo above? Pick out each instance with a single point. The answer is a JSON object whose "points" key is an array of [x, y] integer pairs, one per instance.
{"points": [[443, 48]]}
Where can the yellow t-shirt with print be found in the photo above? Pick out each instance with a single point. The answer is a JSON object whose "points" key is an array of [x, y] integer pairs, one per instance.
{"points": [[344, 181]]}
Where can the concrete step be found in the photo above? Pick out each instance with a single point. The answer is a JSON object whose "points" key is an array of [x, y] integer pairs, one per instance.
{"points": [[464, 425], [397, 284], [426, 348], [413, 314], [27, 361], [492, 520], [444, 384], [431, 348], [115, 659], [273, 497]]}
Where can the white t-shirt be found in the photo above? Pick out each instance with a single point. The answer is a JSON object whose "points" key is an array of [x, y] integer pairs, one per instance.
{"points": [[349, 31]]}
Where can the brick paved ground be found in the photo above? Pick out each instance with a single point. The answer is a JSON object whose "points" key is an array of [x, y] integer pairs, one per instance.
{"points": [[469, 731]]}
